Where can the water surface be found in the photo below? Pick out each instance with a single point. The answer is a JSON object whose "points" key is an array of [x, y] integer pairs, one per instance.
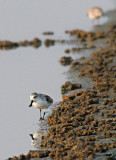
{"points": [[26, 70]]}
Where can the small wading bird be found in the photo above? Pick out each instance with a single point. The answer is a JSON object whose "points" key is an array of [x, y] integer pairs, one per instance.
{"points": [[94, 13], [40, 101]]}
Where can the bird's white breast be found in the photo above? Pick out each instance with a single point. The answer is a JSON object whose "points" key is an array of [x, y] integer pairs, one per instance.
{"points": [[41, 104]]}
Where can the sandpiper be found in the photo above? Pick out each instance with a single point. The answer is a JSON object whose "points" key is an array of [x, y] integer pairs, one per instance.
{"points": [[40, 101], [94, 13]]}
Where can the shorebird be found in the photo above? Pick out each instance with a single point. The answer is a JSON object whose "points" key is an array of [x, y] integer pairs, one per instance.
{"points": [[94, 13], [40, 101]]}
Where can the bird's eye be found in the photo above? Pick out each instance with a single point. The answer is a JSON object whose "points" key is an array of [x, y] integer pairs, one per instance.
{"points": [[35, 96]]}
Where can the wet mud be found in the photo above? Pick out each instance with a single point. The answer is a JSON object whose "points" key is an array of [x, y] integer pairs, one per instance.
{"points": [[84, 124], [32, 154], [7, 45], [48, 33], [65, 60], [68, 86]]}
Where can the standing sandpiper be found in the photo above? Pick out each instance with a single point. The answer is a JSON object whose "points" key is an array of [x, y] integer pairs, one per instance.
{"points": [[94, 13], [40, 101]]}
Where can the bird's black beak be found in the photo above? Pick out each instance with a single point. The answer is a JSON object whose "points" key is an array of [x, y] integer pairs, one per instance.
{"points": [[31, 103]]}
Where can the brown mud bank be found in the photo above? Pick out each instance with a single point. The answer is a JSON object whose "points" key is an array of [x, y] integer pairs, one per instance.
{"points": [[7, 45], [84, 124]]}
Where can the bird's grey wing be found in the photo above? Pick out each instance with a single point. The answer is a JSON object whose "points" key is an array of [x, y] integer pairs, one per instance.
{"points": [[46, 97], [49, 99]]}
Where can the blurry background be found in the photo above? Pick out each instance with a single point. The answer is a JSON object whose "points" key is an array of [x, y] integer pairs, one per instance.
{"points": [[26, 70]]}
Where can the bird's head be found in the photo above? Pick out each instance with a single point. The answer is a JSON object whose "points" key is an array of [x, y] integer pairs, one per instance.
{"points": [[32, 98]]}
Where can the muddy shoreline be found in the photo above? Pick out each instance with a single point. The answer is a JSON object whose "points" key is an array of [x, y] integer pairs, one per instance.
{"points": [[84, 124]]}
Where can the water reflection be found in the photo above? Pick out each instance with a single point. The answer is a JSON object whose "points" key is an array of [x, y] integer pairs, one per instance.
{"points": [[42, 128], [36, 138]]}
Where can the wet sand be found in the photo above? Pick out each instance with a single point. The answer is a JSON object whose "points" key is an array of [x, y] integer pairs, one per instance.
{"points": [[84, 124]]}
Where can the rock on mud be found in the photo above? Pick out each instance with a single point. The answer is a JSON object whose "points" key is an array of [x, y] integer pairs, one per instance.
{"points": [[65, 60]]}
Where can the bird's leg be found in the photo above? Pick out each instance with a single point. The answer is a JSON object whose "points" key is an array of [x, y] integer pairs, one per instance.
{"points": [[44, 115], [40, 115]]}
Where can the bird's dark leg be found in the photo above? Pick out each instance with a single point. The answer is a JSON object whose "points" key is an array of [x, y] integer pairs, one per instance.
{"points": [[44, 115], [40, 115]]}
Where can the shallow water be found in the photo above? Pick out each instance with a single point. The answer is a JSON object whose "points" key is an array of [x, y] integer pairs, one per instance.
{"points": [[25, 70]]}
